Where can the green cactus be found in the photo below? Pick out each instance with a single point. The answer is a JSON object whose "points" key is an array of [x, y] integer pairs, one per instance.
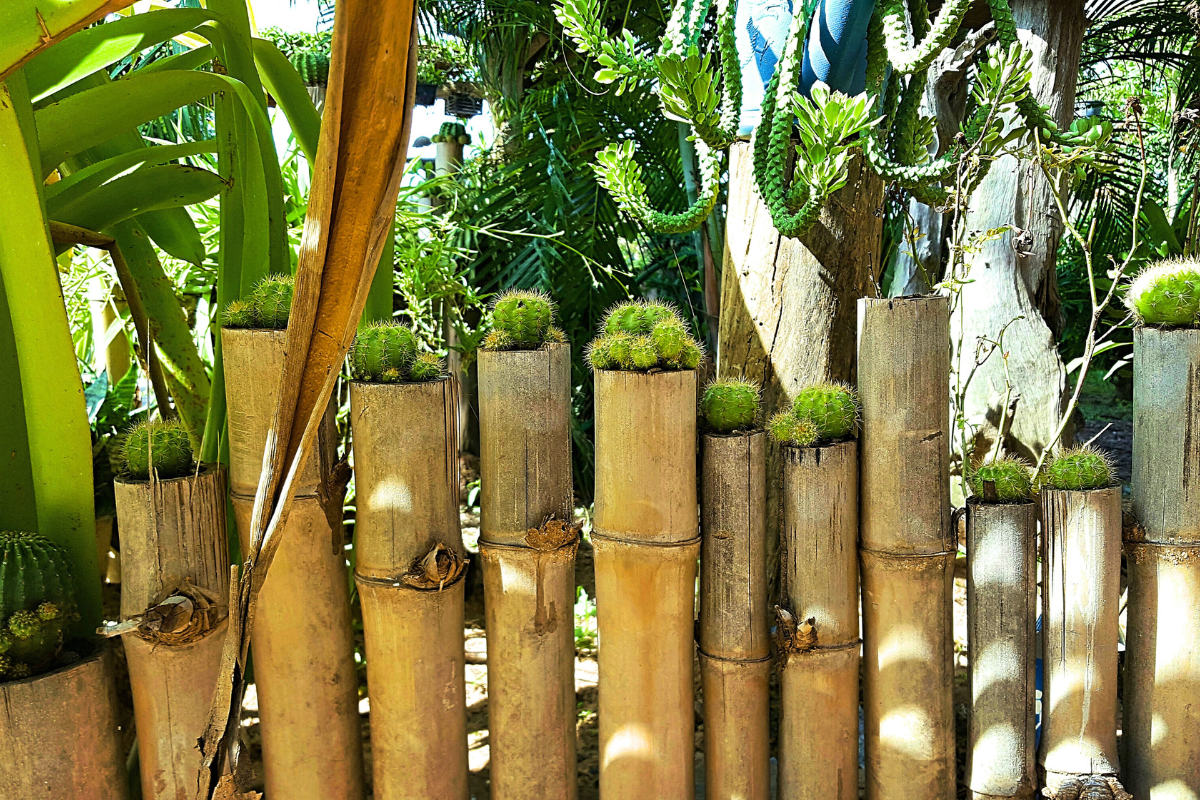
{"points": [[525, 316], [498, 340], [555, 335], [271, 300], [426, 367], [788, 429], [643, 353], [163, 443], [238, 314], [1010, 478], [599, 353], [383, 352], [1167, 294], [623, 318], [37, 602], [691, 356], [831, 406], [643, 335], [670, 337], [620, 348], [729, 405], [1078, 469]]}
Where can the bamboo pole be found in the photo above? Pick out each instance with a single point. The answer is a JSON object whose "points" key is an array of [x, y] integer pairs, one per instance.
{"points": [[409, 564], [58, 734], [303, 644], [734, 632], [907, 549], [1001, 630], [175, 549], [818, 729], [527, 545], [1162, 648], [1081, 591], [646, 541]]}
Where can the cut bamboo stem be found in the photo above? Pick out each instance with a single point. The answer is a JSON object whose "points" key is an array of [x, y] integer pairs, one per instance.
{"points": [[527, 545], [818, 729], [302, 643], [175, 548], [907, 548], [409, 565], [1162, 649], [734, 631], [646, 542], [1081, 559], [1001, 631]]}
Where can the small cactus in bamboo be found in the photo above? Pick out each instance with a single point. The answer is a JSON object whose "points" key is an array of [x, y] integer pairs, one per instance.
{"points": [[425, 367], [268, 306], [1078, 469], [522, 320], [831, 406], [644, 335], [383, 353], [1010, 478], [1167, 294], [789, 430], [161, 447], [730, 405], [37, 603]]}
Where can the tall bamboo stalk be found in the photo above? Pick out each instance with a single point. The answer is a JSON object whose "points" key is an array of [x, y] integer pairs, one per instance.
{"points": [[175, 557], [409, 565], [303, 644], [907, 548], [527, 544], [818, 730], [734, 632], [1001, 630], [646, 539], [1162, 646]]}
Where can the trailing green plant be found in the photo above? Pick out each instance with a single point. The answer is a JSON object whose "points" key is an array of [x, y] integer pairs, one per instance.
{"points": [[644, 335], [1078, 469], [37, 603], [452, 133], [1167, 294], [788, 429], [521, 320], [730, 405], [832, 407], [161, 447], [1011, 480], [268, 305]]}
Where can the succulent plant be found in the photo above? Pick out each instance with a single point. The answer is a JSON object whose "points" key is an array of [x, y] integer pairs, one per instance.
{"points": [[312, 66], [643, 335], [599, 353], [556, 335], [426, 367], [163, 444], [670, 337], [383, 352], [642, 353], [1010, 478], [452, 133], [238, 314], [1078, 469], [498, 340], [832, 407], [788, 429], [525, 317], [268, 305], [730, 404], [1167, 294], [37, 602]]}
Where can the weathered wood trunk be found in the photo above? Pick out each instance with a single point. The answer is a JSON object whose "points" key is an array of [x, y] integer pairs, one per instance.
{"points": [[409, 568], [1162, 649], [734, 630], [907, 549], [818, 730], [1001, 631], [646, 538], [303, 645], [527, 545]]}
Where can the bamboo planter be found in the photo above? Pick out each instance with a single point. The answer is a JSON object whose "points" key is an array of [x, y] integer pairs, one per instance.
{"points": [[409, 568], [176, 581], [1162, 652], [907, 548], [818, 732], [646, 546], [734, 631], [302, 644], [527, 545], [1001, 631]]}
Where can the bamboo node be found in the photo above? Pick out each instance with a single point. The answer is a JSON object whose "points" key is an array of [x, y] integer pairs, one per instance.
{"points": [[436, 569], [1088, 787], [187, 615], [1132, 530], [794, 636], [553, 534]]}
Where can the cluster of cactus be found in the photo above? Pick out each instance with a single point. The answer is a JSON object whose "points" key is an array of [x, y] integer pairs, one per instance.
{"points": [[1078, 469], [822, 413], [312, 66], [163, 445], [730, 405], [268, 305], [1010, 478], [1167, 294], [644, 335], [452, 133], [522, 320], [37, 603], [386, 352]]}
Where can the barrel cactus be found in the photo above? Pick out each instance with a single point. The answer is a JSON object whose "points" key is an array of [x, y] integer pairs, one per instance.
{"points": [[644, 335], [383, 352], [1078, 469], [1167, 294], [522, 321], [426, 367], [729, 405], [163, 444], [268, 305], [452, 133], [37, 603], [831, 406], [1010, 479], [788, 429]]}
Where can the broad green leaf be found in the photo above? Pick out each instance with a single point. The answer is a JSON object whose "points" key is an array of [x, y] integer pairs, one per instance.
{"points": [[87, 179], [145, 189], [284, 84], [31, 26], [173, 230]]}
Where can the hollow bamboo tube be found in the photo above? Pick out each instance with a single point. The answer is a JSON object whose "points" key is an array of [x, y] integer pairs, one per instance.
{"points": [[646, 541], [173, 534], [734, 631], [58, 734], [406, 487], [907, 548], [1001, 630], [302, 644], [818, 729], [529, 591], [1081, 560]]}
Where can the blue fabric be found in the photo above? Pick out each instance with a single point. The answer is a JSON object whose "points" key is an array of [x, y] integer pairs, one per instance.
{"points": [[836, 52]]}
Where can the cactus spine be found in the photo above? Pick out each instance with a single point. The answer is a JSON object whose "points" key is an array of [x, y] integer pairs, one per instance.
{"points": [[1167, 294], [383, 353], [833, 408], [1010, 478], [163, 445], [268, 305], [730, 405], [37, 603], [522, 320], [1078, 469], [788, 429]]}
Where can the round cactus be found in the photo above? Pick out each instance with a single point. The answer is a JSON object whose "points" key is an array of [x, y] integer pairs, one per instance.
{"points": [[163, 443], [1167, 294], [1010, 478], [623, 318], [631, 330], [383, 353], [556, 335], [238, 314], [691, 356], [599, 353], [643, 353], [1079, 469], [37, 602], [654, 312], [728, 405], [788, 429], [426, 367], [271, 301], [525, 316], [831, 407], [620, 347], [498, 340], [670, 337]]}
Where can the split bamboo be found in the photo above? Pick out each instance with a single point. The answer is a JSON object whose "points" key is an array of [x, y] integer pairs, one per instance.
{"points": [[59, 734], [303, 644], [175, 549], [818, 729], [1001, 640], [1162, 649], [734, 632], [1081, 591], [907, 548], [527, 545], [646, 545], [409, 567]]}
